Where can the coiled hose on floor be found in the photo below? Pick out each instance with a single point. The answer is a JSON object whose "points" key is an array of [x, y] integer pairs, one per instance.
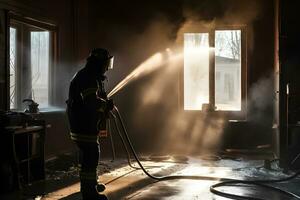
{"points": [[224, 181]]}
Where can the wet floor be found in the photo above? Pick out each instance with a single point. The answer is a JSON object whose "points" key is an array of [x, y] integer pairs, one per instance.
{"points": [[124, 182]]}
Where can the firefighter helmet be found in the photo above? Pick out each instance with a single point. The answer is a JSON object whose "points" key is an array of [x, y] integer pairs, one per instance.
{"points": [[103, 56]]}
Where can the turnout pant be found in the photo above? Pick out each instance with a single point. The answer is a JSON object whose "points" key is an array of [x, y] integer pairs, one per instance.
{"points": [[88, 160]]}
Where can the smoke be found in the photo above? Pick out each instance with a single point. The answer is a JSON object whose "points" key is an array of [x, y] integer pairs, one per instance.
{"points": [[205, 15], [150, 95], [154, 99], [160, 114], [60, 83], [261, 98], [179, 131], [191, 134], [137, 50], [230, 12], [160, 28]]}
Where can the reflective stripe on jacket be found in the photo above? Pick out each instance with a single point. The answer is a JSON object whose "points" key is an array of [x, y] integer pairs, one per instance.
{"points": [[83, 138]]}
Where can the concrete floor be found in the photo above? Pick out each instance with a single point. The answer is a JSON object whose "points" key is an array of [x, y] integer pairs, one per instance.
{"points": [[123, 182]]}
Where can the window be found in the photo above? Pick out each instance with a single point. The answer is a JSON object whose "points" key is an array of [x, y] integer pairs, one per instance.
{"points": [[213, 70], [30, 60]]}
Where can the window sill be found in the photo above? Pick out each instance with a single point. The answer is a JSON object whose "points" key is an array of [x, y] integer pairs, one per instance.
{"points": [[229, 115], [43, 110], [52, 109]]}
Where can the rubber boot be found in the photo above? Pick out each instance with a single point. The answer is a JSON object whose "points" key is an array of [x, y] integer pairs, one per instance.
{"points": [[89, 191], [94, 197]]}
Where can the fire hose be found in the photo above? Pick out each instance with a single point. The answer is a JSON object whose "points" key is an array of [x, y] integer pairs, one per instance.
{"points": [[115, 114]]}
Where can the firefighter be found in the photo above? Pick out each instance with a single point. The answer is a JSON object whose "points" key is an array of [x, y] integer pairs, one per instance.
{"points": [[87, 110]]}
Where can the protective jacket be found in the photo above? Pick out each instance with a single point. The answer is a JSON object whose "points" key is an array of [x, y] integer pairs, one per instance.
{"points": [[86, 106]]}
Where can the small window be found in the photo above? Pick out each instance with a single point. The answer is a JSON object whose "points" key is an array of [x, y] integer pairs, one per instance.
{"points": [[30, 60], [219, 70]]}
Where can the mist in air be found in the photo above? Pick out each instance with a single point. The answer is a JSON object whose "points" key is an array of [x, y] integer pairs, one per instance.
{"points": [[147, 81]]}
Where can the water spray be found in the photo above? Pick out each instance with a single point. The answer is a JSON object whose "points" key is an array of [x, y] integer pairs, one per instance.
{"points": [[151, 64]]}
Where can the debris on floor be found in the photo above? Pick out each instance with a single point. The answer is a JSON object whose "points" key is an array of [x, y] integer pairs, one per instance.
{"points": [[124, 182]]}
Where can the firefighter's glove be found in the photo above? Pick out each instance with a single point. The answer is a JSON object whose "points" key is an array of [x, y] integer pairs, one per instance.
{"points": [[110, 104]]}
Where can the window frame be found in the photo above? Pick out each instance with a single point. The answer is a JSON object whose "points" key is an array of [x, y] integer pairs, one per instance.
{"points": [[25, 25], [241, 114]]}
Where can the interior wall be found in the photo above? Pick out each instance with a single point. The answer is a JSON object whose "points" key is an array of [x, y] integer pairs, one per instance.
{"points": [[289, 110], [133, 31], [3, 59]]}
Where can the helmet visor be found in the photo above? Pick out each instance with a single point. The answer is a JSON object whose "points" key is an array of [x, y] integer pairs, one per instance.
{"points": [[110, 64]]}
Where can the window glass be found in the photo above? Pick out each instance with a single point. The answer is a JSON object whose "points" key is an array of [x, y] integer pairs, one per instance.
{"points": [[40, 67], [12, 67], [228, 70], [196, 70]]}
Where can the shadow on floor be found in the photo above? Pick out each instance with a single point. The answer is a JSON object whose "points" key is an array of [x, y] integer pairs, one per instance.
{"points": [[145, 182], [74, 196]]}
